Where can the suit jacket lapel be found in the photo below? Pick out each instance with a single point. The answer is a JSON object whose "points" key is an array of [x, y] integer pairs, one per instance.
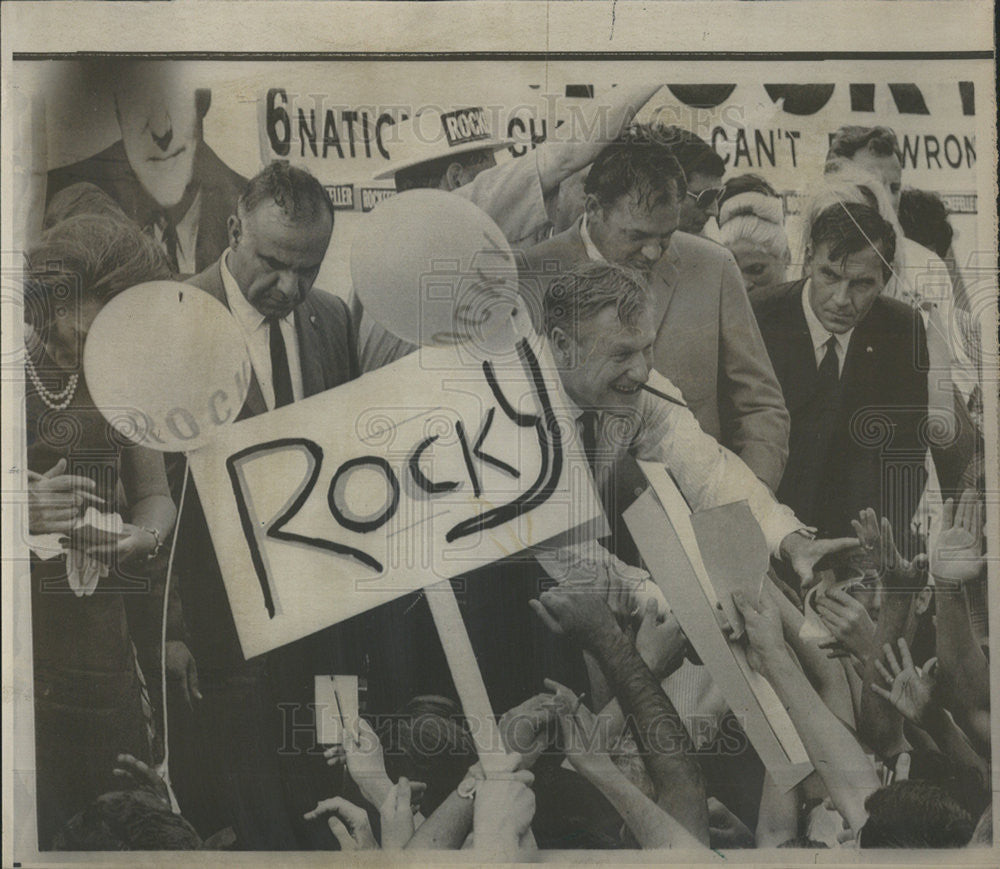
{"points": [[800, 361], [310, 352], [663, 283]]}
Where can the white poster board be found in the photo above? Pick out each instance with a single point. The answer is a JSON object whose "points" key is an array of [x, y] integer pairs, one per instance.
{"points": [[336, 504], [660, 523]]}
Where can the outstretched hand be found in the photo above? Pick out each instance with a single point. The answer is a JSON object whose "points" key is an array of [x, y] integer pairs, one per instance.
{"points": [[881, 555], [807, 556], [141, 776], [911, 690], [580, 611], [762, 619], [957, 555], [348, 823], [362, 752]]}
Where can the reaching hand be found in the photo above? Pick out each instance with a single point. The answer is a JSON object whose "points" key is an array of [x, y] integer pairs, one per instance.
{"points": [[911, 691], [579, 611], [882, 556], [580, 730], [141, 777], [763, 627], [958, 552], [660, 643], [848, 621], [365, 762], [348, 822], [183, 669], [504, 808], [528, 728], [396, 813], [806, 556], [57, 500]]}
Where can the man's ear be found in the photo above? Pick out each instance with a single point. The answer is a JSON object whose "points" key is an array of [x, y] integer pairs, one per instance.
{"points": [[592, 205], [453, 177], [923, 600], [807, 256], [562, 346], [234, 229]]}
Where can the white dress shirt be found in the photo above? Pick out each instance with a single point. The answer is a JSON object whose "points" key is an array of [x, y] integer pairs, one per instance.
{"points": [[707, 474], [593, 254], [819, 334], [257, 337]]}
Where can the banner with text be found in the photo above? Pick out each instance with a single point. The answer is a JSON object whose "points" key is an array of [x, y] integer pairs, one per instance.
{"points": [[339, 503]]}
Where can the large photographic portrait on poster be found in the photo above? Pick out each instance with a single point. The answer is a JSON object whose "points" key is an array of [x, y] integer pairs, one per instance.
{"points": [[536, 450]]}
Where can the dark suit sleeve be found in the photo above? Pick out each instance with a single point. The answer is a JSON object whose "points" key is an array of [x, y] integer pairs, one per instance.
{"points": [[752, 409]]}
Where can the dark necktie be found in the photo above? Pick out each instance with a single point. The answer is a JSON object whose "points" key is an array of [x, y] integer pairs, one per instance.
{"points": [[829, 367], [588, 421], [281, 375], [168, 235]]}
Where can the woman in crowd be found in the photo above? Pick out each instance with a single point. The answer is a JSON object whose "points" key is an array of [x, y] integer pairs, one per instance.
{"points": [[752, 227], [99, 508]]}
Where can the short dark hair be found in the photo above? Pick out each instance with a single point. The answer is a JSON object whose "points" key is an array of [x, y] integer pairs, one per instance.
{"points": [[924, 218], [748, 182], [428, 175], [295, 191], [915, 814], [691, 151], [88, 257], [848, 140], [637, 163], [849, 228], [585, 290], [428, 740]]}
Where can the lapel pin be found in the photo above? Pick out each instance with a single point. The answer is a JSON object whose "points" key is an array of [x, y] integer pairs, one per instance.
{"points": [[868, 349], [312, 319]]}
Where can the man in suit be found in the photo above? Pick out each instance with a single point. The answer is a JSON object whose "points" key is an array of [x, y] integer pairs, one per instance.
{"points": [[242, 759], [852, 365], [161, 172], [707, 340]]}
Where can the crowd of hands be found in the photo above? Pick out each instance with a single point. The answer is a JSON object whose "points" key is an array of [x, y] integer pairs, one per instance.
{"points": [[858, 702], [848, 699]]}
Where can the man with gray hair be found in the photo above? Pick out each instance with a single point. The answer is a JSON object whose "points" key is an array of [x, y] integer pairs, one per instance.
{"points": [[600, 325]]}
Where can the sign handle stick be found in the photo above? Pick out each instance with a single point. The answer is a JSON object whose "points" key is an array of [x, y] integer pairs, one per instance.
{"points": [[465, 673], [468, 681]]}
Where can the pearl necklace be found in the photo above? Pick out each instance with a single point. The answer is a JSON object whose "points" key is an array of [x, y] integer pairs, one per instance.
{"points": [[52, 400]]}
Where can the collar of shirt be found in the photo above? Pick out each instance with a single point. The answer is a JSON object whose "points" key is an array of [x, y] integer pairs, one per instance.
{"points": [[256, 336], [588, 244], [249, 318], [819, 334]]}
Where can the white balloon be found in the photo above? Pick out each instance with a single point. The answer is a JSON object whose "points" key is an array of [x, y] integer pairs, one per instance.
{"points": [[167, 366], [435, 270]]}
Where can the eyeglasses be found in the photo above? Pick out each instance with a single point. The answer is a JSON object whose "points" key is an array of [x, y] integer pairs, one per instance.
{"points": [[707, 198]]}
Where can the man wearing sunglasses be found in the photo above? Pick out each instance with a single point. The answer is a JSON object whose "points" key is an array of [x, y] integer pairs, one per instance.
{"points": [[707, 341], [703, 169]]}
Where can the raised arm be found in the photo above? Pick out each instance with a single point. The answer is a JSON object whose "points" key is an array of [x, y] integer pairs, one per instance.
{"points": [[652, 826], [838, 758], [588, 130], [582, 614], [956, 561]]}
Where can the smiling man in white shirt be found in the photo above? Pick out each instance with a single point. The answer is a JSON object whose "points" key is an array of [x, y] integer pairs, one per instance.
{"points": [[600, 324]]}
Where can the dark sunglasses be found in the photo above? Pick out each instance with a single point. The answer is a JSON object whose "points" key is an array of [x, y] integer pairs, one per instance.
{"points": [[708, 198]]}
